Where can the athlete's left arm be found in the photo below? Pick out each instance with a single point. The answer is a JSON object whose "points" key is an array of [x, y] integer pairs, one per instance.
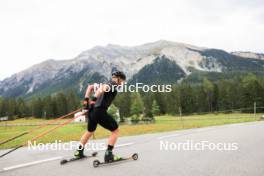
{"points": [[103, 88], [89, 90]]}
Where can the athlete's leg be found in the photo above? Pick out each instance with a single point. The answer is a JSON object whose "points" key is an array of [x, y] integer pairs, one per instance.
{"points": [[113, 137], [108, 122], [111, 143], [85, 137], [91, 127]]}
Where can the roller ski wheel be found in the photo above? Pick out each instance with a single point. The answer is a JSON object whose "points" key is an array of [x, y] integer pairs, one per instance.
{"points": [[135, 156], [97, 163], [64, 161]]}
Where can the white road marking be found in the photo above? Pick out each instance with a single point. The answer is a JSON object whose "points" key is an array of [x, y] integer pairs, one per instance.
{"points": [[31, 163], [234, 125], [168, 136], [194, 130], [117, 146], [123, 145], [200, 130], [52, 159]]}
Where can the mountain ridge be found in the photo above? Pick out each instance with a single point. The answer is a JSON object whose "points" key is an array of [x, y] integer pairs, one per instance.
{"points": [[99, 61]]}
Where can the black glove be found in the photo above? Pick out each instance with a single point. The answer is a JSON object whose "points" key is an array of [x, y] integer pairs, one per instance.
{"points": [[85, 104], [92, 102]]}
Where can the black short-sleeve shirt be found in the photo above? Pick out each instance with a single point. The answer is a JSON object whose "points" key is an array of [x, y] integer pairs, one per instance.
{"points": [[105, 100]]}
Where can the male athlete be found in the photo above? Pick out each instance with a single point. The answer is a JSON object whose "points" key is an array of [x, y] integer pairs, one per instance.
{"points": [[97, 113]]}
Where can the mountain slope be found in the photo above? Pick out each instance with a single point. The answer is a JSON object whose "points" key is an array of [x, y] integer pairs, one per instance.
{"points": [[161, 61], [247, 54], [232, 62], [161, 71]]}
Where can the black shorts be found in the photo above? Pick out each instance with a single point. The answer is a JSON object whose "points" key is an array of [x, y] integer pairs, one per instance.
{"points": [[100, 116]]}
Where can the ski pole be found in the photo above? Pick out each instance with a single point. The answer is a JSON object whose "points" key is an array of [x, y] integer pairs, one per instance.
{"points": [[52, 129], [42, 134], [12, 150], [39, 127], [13, 138]]}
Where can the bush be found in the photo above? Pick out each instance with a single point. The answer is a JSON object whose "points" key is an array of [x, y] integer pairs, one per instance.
{"points": [[148, 114], [135, 119], [148, 119]]}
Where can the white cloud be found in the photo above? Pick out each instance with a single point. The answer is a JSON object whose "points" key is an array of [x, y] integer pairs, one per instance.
{"points": [[35, 30]]}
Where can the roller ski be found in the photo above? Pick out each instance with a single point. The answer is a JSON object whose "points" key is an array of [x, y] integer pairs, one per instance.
{"points": [[78, 155], [110, 158]]}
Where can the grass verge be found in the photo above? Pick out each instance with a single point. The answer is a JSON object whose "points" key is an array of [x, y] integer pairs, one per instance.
{"points": [[162, 124]]}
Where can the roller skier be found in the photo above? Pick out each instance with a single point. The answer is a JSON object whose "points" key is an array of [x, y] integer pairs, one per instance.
{"points": [[97, 105]]}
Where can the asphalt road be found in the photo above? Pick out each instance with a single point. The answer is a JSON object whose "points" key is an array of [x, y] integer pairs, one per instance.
{"points": [[244, 158]]}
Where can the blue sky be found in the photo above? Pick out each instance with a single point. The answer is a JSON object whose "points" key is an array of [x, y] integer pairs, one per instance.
{"points": [[36, 30]]}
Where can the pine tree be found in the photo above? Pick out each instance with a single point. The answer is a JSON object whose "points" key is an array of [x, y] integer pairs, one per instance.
{"points": [[173, 100], [215, 106], [36, 105], [54, 106], [187, 100], [21, 108], [12, 108], [61, 103], [252, 91], [147, 100], [137, 105], [48, 107], [123, 103], [200, 101], [155, 108], [224, 99], [73, 101], [2, 107], [208, 88], [160, 97]]}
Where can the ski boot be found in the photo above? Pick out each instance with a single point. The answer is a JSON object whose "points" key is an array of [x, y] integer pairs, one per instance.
{"points": [[109, 157], [79, 153]]}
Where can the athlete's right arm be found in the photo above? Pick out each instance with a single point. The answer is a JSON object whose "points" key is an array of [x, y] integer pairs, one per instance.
{"points": [[88, 92]]}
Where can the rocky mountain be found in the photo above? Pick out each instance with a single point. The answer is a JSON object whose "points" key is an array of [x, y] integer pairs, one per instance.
{"points": [[158, 62], [247, 54]]}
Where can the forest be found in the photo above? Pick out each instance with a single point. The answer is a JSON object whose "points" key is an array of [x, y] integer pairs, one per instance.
{"points": [[236, 94]]}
